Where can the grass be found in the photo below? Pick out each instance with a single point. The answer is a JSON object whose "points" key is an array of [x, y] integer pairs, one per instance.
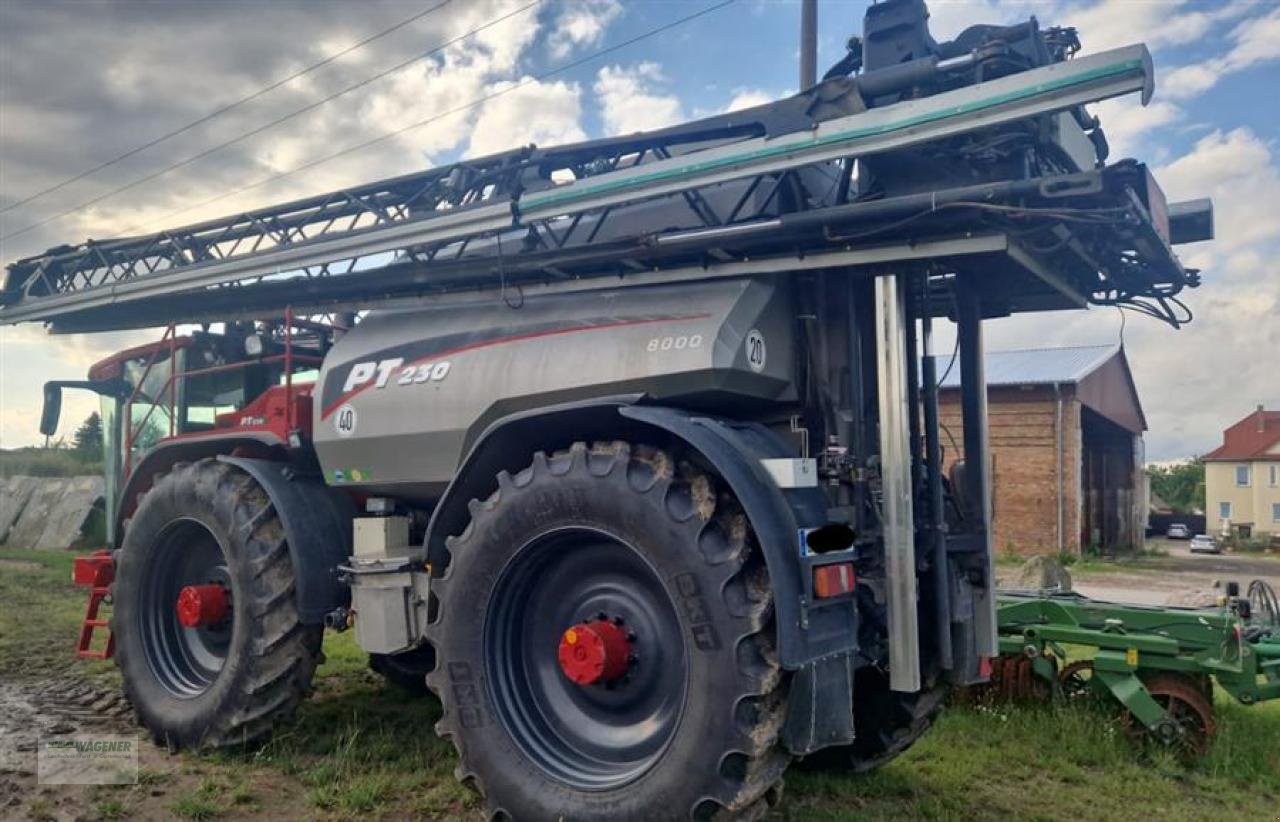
{"points": [[109, 809], [39, 583], [1146, 560], [1056, 763], [360, 748], [46, 462]]}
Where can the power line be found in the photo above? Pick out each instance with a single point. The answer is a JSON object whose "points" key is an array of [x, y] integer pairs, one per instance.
{"points": [[427, 121], [228, 107], [267, 126]]}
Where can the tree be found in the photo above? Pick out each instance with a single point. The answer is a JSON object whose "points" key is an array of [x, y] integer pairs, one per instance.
{"points": [[1180, 485], [86, 443], [147, 434]]}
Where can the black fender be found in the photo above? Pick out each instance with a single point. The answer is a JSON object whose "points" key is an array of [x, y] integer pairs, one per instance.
{"points": [[317, 523], [734, 450], [816, 641], [167, 453], [505, 444]]}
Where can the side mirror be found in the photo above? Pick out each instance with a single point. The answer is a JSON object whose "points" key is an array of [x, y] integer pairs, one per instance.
{"points": [[53, 398], [52, 408]]}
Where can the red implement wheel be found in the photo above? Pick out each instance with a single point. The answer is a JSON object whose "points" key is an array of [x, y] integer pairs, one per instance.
{"points": [[1191, 733]]}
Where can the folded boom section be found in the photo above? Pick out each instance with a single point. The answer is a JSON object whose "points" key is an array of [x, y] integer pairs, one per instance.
{"points": [[856, 168]]}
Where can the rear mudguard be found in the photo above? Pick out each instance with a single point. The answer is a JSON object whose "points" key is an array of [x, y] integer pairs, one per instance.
{"points": [[167, 453], [818, 643], [317, 525], [734, 450]]}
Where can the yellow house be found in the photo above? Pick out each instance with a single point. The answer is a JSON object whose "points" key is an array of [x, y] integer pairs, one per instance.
{"points": [[1242, 477]]}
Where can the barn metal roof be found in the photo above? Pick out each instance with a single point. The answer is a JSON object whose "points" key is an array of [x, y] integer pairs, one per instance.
{"points": [[1034, 366]]}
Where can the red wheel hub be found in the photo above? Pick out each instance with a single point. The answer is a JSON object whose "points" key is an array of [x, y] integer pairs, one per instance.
{"points": [[593, 652], [202, 605]]}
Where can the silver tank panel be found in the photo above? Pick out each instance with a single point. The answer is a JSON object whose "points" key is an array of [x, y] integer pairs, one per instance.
{"points": [[403, 394]]}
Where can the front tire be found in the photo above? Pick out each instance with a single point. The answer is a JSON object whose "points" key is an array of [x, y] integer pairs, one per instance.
{"points": [[209, 523], [620, 535]]}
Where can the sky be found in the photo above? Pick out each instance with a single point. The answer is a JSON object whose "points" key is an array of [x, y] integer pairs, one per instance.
{"points": [[82, 82]]}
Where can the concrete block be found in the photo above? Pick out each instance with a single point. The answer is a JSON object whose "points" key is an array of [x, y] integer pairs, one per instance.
{"points": [[1040, 573], [14, 493], [56, 512]]}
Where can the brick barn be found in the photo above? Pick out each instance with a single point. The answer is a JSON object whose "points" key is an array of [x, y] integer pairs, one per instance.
{"points": [[1066, 447]]}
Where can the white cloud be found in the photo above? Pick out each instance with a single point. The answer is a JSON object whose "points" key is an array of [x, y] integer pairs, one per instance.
{"points": [[747, 98], [425, 90], [1110, 23], [947, 18], [631, 100], [541, 113], [1239, 170], [1255, 42], [1128, 124], [29, 356], [1185, 82], [581, 23], [1103, 24]]}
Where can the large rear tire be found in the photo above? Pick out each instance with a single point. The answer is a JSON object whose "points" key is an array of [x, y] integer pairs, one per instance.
{"points": [[210, 524], [688, 723]]}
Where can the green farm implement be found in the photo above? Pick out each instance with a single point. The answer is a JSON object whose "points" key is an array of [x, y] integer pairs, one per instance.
{"points": [[1160, 663]]}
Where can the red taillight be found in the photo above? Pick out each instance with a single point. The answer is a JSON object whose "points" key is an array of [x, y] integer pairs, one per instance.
{"points": [[833, 580]]}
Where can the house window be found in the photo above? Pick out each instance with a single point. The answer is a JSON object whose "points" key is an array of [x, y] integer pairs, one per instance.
{"points": [[1242, 475], [1275, 475], [1275, 512], [1224, 510]]}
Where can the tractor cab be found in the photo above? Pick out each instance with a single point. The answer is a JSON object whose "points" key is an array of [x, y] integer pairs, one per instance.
{"points": [[251, 378]]}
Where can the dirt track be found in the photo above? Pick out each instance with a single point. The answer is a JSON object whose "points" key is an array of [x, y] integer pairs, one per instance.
{"points": [[32, 709], [1163, 580]]}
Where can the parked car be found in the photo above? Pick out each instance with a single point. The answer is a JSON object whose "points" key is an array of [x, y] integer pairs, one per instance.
{"points": [[1204, 544], [1178, 531]]}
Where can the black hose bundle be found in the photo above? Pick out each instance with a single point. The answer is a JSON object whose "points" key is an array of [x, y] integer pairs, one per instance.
{"points": [[1266, 605]]}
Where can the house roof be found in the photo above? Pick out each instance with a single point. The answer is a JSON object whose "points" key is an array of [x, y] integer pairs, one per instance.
{"points": [[1252, 438], [1099, 374], [1035, 366]]}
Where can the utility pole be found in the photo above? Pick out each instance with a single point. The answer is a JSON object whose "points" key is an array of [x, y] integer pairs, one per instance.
{"points": [[808, 43]]}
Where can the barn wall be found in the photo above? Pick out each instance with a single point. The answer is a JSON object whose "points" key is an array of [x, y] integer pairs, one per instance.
{"points": [[1025, 482]]}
